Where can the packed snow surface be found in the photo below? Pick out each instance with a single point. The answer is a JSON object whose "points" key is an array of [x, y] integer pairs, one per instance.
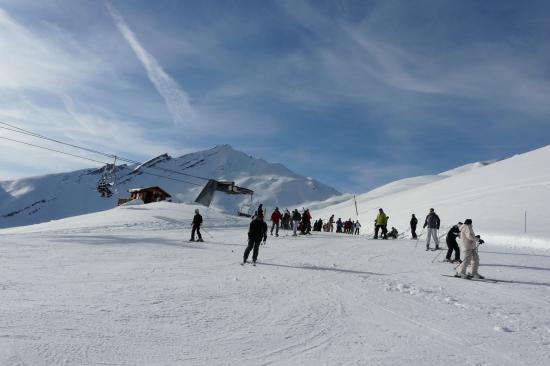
{"points": [[126, 287]]}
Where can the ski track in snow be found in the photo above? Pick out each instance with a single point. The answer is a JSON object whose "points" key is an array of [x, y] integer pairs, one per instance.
{"points": [[138, 293]]}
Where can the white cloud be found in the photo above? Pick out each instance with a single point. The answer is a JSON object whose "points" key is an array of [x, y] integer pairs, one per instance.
{"points": [[177, 100], [31, 62]]}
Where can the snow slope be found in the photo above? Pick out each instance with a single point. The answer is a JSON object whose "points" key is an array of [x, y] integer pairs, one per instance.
{"points": [[467, 167], [125, 287], [40, 199], [398, 185], [495, 196]]}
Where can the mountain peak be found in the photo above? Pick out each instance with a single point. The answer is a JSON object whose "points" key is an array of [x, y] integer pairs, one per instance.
{"points": [[51, 197]]}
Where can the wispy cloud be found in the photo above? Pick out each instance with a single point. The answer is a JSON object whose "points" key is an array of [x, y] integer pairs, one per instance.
{"points": [[497, 74], [177, 100], [53, 84]]}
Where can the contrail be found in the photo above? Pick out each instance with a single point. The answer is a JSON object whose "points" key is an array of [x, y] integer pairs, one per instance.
{"points": [[177, 100]]}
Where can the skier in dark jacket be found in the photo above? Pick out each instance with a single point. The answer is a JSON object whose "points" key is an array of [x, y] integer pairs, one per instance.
{"points": [[296, 217], [414, 222], [306, 222], [339, 225], [393, 233], [432, 222], [196, 226], [452, 235], [256, 232], [260, 211]]}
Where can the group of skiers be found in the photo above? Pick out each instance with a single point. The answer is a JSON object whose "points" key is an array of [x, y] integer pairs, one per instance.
{"points": [[464, 231], [302, 223], [348, 227]]}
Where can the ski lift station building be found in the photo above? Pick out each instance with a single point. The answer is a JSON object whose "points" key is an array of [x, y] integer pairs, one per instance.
{"points": [[149, 194]]}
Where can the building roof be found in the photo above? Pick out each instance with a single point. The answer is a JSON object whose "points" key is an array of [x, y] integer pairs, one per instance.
{"points": [[154, 188]]}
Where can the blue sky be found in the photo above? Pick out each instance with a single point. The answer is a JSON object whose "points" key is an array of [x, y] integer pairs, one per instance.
{"points": [[353, 93]]}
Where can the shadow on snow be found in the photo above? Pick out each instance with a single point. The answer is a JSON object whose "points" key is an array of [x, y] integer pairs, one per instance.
{"points": [[320, 268], [123, 240]]}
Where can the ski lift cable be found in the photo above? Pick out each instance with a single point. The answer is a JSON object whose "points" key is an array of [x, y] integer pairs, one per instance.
{"points": [[89, 159], [30, 133], [54, 150], [25, 132], [177, 180]]}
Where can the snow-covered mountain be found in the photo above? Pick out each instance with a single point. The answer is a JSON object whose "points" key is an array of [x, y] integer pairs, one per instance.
{"points": [[39, 199], [499, 196]]}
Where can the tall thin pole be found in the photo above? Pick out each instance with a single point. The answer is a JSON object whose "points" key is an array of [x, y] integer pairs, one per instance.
{"points": [[356, 211]]}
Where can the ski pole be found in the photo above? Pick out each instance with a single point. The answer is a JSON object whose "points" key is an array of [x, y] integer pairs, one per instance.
{"points": [[458, 265], [207, 233], [438, 254], [418, 239]]}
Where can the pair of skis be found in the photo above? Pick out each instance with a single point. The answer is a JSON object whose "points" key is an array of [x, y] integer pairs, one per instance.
{"points": [[490, 280]]}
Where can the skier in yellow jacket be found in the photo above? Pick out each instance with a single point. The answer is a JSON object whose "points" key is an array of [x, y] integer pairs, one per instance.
{"points": [[381, 222]]}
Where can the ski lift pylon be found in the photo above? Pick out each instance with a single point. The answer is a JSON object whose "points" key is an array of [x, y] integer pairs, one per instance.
{"points": [[207, 194]]}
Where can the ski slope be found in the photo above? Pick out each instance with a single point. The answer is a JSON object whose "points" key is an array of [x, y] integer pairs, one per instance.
{"points": [[125, 287], [500, 197]]}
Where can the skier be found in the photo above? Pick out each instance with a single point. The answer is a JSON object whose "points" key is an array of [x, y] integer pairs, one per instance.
{"points": [[196, 226], [306, 222], [339, 225], [469, 247], [413, 223], [331, 223], [296, 217], [393, 233], [256, 232], [357, 227], [432, 222], [452, 235], [319, 225], [347, 227], [381, 222], [286, 220], [275, 218], [260, 211], [103, 188]]}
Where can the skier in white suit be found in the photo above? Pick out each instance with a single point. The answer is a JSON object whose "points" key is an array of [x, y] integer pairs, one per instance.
{"points": [[469, 247]]}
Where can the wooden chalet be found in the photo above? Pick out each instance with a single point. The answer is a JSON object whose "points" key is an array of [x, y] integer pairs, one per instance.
{"points": [[149, 194]]}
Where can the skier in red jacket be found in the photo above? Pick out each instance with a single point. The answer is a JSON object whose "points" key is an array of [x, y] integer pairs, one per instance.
{"points": [[275, 219]]}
